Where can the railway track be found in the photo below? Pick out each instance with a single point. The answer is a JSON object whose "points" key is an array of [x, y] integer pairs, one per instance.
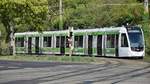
{"points": [[97, 68], [110, 70], [119, 77]]}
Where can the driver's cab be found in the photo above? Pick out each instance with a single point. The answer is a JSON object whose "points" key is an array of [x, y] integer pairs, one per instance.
{"points": [[131, 42]]}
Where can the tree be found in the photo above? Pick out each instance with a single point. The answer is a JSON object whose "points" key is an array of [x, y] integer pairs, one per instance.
{"points": [[101, 13], [22, 14]]}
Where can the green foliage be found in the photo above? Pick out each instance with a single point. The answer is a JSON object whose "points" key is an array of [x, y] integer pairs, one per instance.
{"points": [[24, 14], [76, 59], [98, 13], [3, 45], [39, 14], [32, 15], [146, 28]]}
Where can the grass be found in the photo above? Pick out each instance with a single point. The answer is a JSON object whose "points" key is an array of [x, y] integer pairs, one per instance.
{"points": [[147, 58], [76, 59], [46, 58]]}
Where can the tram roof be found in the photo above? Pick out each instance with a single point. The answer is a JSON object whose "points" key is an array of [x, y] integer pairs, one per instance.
{"points": [[77, 32]]}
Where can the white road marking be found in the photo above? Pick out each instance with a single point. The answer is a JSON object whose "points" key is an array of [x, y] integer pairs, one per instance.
{"points": [[1, 66], [13, 67]]}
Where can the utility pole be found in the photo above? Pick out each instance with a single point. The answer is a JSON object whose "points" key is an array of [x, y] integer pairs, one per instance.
{"points": [[0, 43], [146, 6], [0, 33], [146, 10], [60, 15]]}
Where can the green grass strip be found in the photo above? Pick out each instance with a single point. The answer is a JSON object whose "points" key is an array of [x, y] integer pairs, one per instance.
{"points": [[75, 59]]}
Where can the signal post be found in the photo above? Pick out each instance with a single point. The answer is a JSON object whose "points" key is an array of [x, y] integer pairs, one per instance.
{"points": [[70, 40]]}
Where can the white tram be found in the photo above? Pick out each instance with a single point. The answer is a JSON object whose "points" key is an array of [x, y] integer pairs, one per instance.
{"points": [[112, 42]]}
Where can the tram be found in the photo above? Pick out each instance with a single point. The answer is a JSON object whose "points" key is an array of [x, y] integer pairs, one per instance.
{"points": [[111, 42]]}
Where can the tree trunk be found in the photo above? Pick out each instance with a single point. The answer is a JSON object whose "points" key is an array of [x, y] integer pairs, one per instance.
{"points": [[12, 40]]}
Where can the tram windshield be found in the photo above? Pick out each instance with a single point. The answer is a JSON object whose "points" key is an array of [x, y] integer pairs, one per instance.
{"points": [[136, 40]]}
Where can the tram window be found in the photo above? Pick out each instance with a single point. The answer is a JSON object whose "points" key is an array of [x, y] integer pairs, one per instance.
{"points": [[110, 41], [124, 42], [47, 41], [57, 42], [19, 42], [78, 41]]}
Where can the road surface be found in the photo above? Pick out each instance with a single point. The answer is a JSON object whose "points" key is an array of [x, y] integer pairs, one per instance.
{"points": [[108, 71]]}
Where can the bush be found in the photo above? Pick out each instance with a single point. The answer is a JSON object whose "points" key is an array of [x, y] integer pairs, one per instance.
{"points": [[148, 51], [146, 28], [4, 49]]}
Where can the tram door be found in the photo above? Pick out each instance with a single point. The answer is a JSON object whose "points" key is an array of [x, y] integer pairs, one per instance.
{"points": [[30, 45], [37, 48], [99, 45], [117, 45], [62, 45], [111, 48], [90, 45]]}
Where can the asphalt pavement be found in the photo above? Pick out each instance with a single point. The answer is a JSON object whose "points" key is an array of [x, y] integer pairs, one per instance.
{"points": [[109, 71]]}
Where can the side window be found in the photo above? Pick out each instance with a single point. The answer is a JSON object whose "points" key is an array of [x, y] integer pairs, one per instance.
{"points": [[110, 41], [19, 41], [78, 41], [47, 41], [124, 42], [57, 41]]}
